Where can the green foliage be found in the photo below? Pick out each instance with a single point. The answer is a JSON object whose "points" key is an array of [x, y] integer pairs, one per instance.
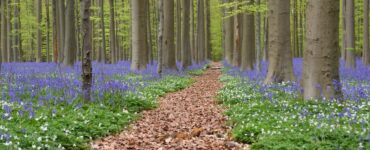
{"points": [[279, 121], [73, 126]]}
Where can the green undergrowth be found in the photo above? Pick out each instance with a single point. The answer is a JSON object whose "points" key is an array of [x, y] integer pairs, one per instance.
{"points": [[74, 126], [286, 122]]}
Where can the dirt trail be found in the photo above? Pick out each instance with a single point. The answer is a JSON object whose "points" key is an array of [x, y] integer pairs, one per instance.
{"points": [[188, 119]]}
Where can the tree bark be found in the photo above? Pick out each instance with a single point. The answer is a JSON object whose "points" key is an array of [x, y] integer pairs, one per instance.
{"points": [[55, 32], [185, 46], [149, 34], [229, 36], [61, 30], [178, 30], [343, 50], [103, 46], [200, 33], [139, 35], [208, 31], [258, 38], [168, 35], [238, 31], [70, 45], [350, 35], [248, 55], [160, 36], [280, 57], [47, 31], [112, 35], [366, 50], [17, 27], [87, 46], [321, 57], [4, 32], [10, 35]]}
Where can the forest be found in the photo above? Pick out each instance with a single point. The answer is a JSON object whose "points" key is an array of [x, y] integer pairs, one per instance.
{"points": [[184, 74]]}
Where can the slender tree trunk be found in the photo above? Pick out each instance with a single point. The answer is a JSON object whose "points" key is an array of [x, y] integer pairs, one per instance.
{"points": [[249, 41], [200, 32], [350, 35], [112, 36], [160, 36], [10, 35], [47, 31], [102, 27], [149, 34], [70, 45], [366, 50], [280, 56], [17, 27], [178, 30], [266, 39], [258, 38], [192, 28], [87, 46], [321, 59], [185, 46], [139, 35], [208, 31], [343, 50], [55, 32], [4, 32], [229, 36], [168, 35], [238, 30], [61, 30]]}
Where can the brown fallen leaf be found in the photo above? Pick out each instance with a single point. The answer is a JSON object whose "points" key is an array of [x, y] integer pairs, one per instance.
{"points": [[182, 136], [195, 132]]}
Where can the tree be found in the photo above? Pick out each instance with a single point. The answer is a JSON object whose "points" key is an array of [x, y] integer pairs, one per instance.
{"points": [[102, 54], [4, 32], [47, 31], [168, 35], [178, 30], [160, 36], [17, 28], [258, 38], [229, 36], [248, 55], [9, 29], [87, 46], [112, 33], [280, 58], [350, 34], [61, 29], [139, 35], [321, 55], [366, 49], [55, 31], [70, 45], [238, 31], [185, 44], [201, 48]]}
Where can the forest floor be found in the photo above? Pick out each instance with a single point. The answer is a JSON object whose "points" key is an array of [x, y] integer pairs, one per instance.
{"points": [[188, 119]]}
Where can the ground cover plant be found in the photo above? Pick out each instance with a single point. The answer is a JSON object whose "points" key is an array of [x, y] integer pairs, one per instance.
{"points": [[41, 105], [275, 116]]}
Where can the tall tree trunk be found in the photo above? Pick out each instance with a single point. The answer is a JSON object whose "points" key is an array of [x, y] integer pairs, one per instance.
{"points": [[200, 32], [17, 27], [87, 46], [238, 30], [208, 31], [139, 35], [321, 55], [10, 35], [185, 45], [350, 34], [343, 50], [160, 36], [229, 36], [366, 50], [149, 34], [70, 45], [192, 28], [61, 29], [55, 32], [112, 35], [266, 39], [249, 41], [178, 30], [258, 38], [4, 31], [280, 57], [47, 5], [102, 48], [168, 35]]}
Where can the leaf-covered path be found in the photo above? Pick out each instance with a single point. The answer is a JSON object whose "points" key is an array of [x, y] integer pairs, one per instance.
{"points": [[188, 119]]}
